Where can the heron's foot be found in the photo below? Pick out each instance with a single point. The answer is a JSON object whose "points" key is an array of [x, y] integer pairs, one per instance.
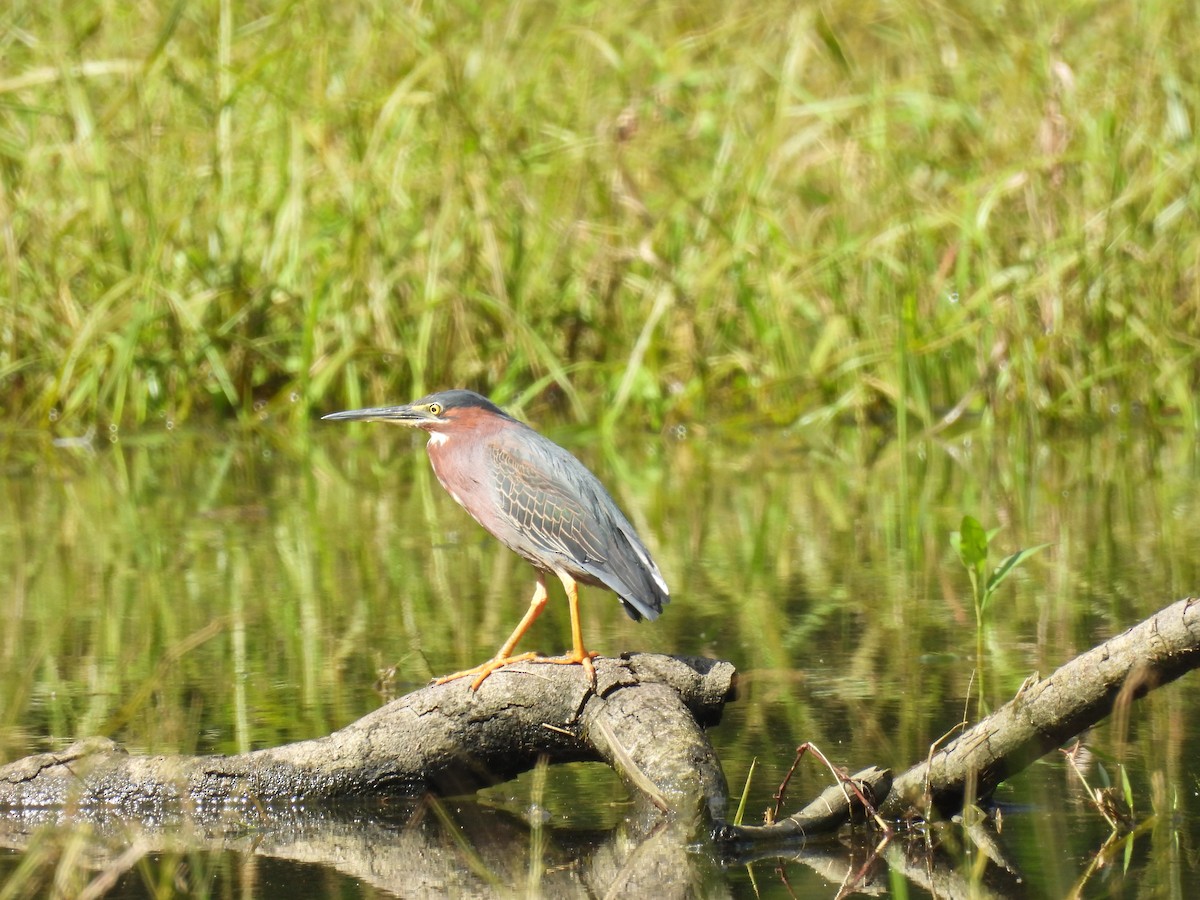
{"points": [[576, 659], [481, 672]]}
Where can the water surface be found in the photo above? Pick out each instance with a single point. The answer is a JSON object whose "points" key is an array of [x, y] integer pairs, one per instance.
{"points": [[204, 592]]}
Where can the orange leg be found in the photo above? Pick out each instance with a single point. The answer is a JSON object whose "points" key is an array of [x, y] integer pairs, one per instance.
{"points": [[578, 655], [504, 657]]}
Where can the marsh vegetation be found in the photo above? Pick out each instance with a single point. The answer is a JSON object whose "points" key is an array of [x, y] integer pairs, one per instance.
{"points": [[804, 284]]}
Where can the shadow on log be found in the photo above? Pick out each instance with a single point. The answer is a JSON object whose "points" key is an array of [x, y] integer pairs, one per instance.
{"points": [[646, 719]]}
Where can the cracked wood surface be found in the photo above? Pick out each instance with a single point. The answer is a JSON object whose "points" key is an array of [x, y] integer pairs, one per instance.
{"points": [[645, 719]]}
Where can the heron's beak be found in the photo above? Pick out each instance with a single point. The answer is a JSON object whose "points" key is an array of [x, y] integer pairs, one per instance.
{"points": [[401, 415]]}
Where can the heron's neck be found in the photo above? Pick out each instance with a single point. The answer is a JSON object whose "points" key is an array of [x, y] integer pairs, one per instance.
{"points": [[454, 474]]}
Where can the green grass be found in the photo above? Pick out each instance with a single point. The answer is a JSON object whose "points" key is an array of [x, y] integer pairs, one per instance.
{"points": [[236, 209]]}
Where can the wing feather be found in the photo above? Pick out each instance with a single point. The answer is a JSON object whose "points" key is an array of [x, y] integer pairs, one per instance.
{"points": [[559, 508], [546, 514]]}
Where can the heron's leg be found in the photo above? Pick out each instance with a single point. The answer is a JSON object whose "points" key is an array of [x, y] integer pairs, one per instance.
{"points": [[536, 605], [504, 655], [578, 655]]}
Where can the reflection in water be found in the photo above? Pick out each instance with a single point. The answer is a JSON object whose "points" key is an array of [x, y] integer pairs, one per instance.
{"points": [[196, 594], [429, 848]]}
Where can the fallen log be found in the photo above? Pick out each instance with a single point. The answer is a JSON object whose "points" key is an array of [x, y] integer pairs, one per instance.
{"points": [[645, 718]]}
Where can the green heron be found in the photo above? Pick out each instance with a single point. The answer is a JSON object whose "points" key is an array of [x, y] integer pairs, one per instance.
{"points": [[540, 502]]}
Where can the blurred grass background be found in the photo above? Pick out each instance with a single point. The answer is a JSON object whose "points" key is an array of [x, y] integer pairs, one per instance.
{"points": [[772, 208]]}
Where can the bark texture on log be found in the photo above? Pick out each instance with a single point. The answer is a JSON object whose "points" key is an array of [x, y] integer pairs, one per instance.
{"points": [[644, 719]]}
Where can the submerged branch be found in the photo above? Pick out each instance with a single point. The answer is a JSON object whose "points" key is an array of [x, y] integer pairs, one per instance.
{"points": [[1048, 712], [1044, 714]]}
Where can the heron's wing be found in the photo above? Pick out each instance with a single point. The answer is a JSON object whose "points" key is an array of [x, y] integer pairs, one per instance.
{"points": [[553, 516], [557, 507]]}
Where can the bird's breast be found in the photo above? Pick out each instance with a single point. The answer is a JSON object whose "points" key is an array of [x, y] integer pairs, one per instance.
{"points": [[457, 468]]}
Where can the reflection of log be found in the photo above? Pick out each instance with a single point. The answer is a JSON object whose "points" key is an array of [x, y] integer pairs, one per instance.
{"points": [[417, 848], [642, 719]]}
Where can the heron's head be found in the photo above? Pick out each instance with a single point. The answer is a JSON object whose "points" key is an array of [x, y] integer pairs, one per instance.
{"points": [[446, 413]]}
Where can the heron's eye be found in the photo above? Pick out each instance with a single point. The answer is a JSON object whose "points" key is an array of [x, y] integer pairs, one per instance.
{"points": [[435, 409]]}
